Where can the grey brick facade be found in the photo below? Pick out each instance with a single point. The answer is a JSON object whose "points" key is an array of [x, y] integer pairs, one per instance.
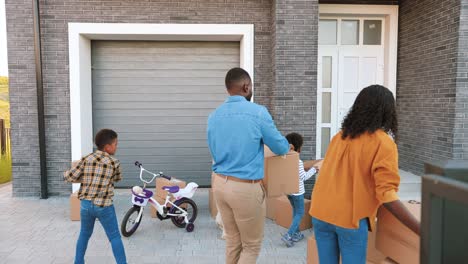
{"points": [[426, 83], [432, 82], [23, 99], [460, 134], [55, 16], [294, 54]]}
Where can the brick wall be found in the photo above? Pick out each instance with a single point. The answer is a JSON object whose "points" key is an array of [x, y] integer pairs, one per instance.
{"points": [[55, 15], [295, 27], [426, 94], [460, 137], [23, 99]]}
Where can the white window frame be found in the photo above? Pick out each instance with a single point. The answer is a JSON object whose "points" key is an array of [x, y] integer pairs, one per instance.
{"points": [[79, 42]]}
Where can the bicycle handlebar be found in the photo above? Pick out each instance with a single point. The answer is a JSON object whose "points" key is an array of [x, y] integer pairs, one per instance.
{"points": [[160, 174]]}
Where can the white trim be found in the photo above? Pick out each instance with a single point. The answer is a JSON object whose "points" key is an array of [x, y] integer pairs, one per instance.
{"points": [[390, 12], [79, 42]]}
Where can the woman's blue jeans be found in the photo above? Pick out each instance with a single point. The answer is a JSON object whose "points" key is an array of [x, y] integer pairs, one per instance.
{"points": [[333, 241], [106, 215]]}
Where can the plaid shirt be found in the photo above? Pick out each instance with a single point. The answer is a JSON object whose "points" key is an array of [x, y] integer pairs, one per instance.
{"points": [[97, 173]]}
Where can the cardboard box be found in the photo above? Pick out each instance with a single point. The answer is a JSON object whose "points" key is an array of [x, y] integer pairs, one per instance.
{"points": [[160, 194], [212, 204], [373, 254], [396, 240], [283, 213], [281, 174], [312, 254], [270, 207], [75, 207]]}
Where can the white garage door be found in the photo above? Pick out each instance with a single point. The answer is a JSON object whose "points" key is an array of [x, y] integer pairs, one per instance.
{"points": [[157, 97]]}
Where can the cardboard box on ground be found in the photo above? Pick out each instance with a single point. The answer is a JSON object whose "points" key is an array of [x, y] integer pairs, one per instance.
{"points": [[373, 255], [74, 207], [396, 240], [284, 214], [74, 201], [160, 194]]}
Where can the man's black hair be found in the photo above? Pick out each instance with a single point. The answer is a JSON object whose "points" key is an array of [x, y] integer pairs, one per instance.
{"points": [[235, 75], [296, 140], [104, 137]]}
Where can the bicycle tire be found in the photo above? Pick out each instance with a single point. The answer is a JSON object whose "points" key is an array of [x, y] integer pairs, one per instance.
{"points": [[180, 221], [125, 220]]}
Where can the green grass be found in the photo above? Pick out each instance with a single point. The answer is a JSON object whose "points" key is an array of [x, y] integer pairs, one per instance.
{"points": [[5, 169], [5, 161], [4, 101]]}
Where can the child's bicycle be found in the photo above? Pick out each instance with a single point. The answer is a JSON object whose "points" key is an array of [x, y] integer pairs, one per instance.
{"points": [[182, 211]]}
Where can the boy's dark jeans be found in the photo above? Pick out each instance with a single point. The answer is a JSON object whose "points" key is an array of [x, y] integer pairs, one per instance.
{"points": [[106, 215], [297, 203]]}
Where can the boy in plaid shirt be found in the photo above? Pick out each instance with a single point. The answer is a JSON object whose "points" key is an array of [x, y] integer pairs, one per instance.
{"points": [[97, 173]]}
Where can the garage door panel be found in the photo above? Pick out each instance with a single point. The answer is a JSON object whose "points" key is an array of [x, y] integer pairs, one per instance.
{"points": [[149, 65], [166, 58], [198, 73], [172, 135], [153, 113], [188, 48], [141, 120], [161, 151], [156, 144], [157, 96], [161, 89], [155, 106], [148, 97], [181, 80], [144, 128]]}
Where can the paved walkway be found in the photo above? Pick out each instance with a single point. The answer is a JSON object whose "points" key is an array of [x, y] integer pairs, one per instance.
{"points": [[39, 231]]}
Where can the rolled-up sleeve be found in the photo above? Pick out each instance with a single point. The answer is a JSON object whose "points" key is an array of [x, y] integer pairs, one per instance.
{"points": [[271, 136], [385, 173]]}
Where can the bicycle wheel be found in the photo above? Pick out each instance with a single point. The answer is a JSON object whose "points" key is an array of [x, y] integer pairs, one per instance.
{"points": [[129, 223], [187, 205]]}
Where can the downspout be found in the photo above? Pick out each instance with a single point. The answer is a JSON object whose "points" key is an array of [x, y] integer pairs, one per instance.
{"points": [[40, 98]]}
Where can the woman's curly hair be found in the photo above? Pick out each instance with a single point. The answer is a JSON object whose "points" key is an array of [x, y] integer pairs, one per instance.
{"points": [[373, 109]]}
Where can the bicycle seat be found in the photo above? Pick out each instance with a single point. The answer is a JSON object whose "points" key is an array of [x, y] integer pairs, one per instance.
{"points": [[171, 189]]}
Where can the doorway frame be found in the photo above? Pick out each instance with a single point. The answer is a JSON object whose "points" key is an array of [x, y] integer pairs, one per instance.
{"points": [[390, 15]]}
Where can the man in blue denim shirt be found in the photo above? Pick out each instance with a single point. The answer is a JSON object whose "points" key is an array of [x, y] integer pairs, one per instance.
{"points": [[237, 131]]}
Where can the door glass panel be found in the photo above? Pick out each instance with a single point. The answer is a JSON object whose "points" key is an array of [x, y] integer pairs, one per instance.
{"points": [[372, 32], [327, 32], [325, 141], [326, 72], [326, 107], [350, 32]]}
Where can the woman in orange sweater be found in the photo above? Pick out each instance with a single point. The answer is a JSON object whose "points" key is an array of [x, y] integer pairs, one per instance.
{"points": [[358, 175]]}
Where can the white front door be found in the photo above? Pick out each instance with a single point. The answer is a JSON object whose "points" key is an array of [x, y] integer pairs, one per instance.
{"points": [[350, 57]]}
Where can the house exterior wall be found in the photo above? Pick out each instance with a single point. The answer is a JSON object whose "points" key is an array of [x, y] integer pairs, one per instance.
{"points": [[426, 82], [55, 15], [431, 87]]}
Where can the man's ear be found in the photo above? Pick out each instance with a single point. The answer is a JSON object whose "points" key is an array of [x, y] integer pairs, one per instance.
{"points": [[245, 88]]}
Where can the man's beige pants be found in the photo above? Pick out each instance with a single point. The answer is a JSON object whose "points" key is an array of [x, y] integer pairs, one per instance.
{"points": [[242, 208]]}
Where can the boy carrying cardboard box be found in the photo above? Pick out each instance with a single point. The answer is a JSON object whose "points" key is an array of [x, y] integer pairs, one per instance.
{"points": [[294, 235]]}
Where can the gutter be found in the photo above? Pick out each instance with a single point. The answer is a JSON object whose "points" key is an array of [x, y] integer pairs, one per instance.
{"points": [[40, 98]]}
